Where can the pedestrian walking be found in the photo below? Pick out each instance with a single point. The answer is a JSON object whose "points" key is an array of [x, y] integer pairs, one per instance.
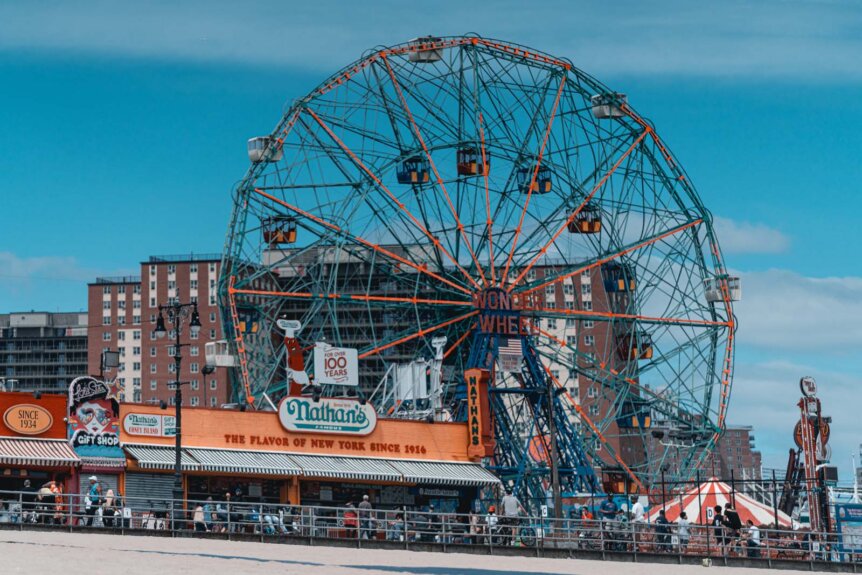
{"points": [[365, 519]]}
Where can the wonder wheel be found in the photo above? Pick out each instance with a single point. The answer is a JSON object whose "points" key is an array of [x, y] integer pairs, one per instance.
{"points": [[501, 198]]}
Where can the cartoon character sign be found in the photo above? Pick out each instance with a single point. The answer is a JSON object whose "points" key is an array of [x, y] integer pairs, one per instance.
{"points": [[94, 412]]}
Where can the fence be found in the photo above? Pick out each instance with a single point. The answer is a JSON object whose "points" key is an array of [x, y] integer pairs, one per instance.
{"points": [[416, 529]]}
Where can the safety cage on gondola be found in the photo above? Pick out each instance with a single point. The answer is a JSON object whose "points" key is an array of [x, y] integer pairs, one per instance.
{"points": [[608, 105], [714, 288], [414, 170], [618, 277], [425, 50], [634, 345], [279, 230], [634, 413], [264, 149], [587, 221], [542, 183], [470, 162]]}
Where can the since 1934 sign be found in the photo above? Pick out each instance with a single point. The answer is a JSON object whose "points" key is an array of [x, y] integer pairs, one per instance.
{"points": [[327, 415]]}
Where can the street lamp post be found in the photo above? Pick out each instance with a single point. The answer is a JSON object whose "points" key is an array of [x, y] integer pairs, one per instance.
{"points": [[175, 313]]}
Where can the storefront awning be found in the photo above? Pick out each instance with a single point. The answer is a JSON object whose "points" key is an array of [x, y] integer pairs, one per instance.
{"points": [[236, 461], [444, 473], [44, 452], [159, 457], [353, 468]]}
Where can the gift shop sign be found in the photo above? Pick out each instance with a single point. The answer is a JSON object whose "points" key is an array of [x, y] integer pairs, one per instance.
{"points": [[340, 416], [150, 425], [28, 419]]}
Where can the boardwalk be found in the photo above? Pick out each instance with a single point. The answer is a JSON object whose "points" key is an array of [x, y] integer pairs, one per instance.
{"points": [[33, 552]]}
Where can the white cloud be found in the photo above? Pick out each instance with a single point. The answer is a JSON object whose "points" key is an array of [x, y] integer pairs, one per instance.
{"points": [[749, 238], [783, 310], [771, 38], [15, 269], [765, 396]]}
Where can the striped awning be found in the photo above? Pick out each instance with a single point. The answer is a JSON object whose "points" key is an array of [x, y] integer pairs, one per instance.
{"points": [[159, 457], [444, 473], [236, 461], [29, 451], [353, 468]]}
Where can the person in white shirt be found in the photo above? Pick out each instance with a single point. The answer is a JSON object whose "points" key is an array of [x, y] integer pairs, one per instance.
{"points": [[683, 531], [637, 510], [753, 541]]}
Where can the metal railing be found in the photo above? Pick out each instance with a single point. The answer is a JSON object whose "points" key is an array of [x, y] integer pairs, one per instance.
{"points": [[405, 528]]}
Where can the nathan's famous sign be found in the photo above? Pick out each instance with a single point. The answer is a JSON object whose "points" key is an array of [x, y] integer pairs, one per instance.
{"points": [[326, 415], [500, 312]]}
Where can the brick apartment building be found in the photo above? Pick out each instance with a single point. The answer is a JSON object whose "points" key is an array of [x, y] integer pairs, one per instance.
{"points": [[123, 312], [735, 455], [42, 351]]}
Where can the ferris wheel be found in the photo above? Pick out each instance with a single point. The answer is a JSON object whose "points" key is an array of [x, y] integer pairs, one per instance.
{"points": [[501, 198]]}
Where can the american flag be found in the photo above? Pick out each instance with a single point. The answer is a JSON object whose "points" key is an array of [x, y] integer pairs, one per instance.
{"points": [[510, 354]]}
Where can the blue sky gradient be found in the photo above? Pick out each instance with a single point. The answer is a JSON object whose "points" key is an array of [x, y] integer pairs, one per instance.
{"points": [[124, 129]]}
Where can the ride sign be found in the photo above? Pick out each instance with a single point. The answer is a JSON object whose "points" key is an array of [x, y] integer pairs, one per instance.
{"points": [[335, 365]]}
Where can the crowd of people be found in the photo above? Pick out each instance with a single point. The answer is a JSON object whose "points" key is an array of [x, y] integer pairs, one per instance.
{"points": [[606, 527]]}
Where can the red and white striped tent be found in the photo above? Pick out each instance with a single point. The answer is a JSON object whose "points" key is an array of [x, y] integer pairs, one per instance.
{"points": [[699, 502]]}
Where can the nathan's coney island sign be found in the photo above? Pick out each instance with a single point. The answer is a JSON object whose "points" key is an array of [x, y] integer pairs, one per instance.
{"points": [[327, 415]]}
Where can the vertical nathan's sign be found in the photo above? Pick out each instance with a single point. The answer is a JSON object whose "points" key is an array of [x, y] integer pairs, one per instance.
{"points": [[335, 365], [480, 436]]}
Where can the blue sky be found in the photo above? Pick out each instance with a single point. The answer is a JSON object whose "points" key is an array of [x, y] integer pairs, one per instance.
{"points": [[124, 125]]}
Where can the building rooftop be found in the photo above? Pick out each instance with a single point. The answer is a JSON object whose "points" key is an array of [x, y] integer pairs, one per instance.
{"points": [[191, 257], [117, 280]]}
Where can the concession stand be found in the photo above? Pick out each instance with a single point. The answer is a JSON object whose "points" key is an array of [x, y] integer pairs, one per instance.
{"points": [[33, 442], [325, 452]]}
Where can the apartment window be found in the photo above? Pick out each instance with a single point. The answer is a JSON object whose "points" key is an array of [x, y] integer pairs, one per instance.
{"points": [[137, 290], [193, 367], [589, 324], [106, 304], [531, 275], [555, 374], [152, 352], [136, 335], [552, 323], [121, 304], [588, 306], [586, 289], [136, 382], [152, 286], [195, 384], [213, 402], [212, 317], [154, 384], [106, 320], [171, 400], [194, 350], [122, 352], [594, 411], [136, 351], [585, 275], [121, 320], [152, 270], [121, 289], [172, 350], [212, 299], [121, 336], [137, 396], [592, 392], [106, 290], [152, 368], [136, 320], [136, 304], [571, 322], [152, 318], [172, 368], [193, 299], [213, 383], [551, 304], [195, 401], [193, 268], [152, 302], [212, 268], [212, 334], [589, 340], [212, 284], [172, 284], [193, 284], [572, 340], [568, 289], [570, 305], [136, 366], [172, 269], [106, 336]]}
